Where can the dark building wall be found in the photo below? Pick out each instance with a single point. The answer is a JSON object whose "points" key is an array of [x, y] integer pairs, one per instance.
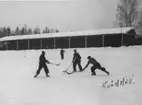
{"points": [[138, 41], [12, 45], [62, 42], [23, 44], [94, 41], [48, 43], [77, 42], [131, 32], [112, 40], [3, 45], [128, 40], [35, 43]]}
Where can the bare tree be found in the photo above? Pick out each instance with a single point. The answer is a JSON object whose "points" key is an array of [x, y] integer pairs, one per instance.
{"points": [[139, 25], [4, 31], [46, 30], [25, 29], [8, 31], [127, 13], [13, 33], [17, 31], [22, 31], [36, 30], [54, 30], [30, 31], [57, 30], [140, 21], [1, 35]]}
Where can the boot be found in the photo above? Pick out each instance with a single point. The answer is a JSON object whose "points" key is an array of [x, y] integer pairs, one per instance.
{"points": [[93, 73], [81, 70], [47, 75], [106, 71], [74, 71], [35, 76]]}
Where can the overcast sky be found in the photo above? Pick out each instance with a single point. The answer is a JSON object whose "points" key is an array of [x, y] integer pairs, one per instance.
{"points": [[64, 15]]}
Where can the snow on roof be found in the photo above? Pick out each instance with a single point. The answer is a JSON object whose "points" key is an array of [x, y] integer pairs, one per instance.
{"points": [[123, 30]]}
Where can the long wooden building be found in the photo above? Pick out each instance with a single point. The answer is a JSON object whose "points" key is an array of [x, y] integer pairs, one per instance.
{"points": [[114, 37]]}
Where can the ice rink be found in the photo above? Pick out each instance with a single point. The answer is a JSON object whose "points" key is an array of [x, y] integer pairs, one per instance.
{"points": [[18, 87]]}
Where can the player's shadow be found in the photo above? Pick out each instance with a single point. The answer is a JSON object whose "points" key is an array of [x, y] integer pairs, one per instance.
{"points": [[41, 77], [100, 75]]}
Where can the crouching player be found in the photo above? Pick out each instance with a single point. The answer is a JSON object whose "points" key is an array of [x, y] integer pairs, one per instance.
{"points": [[96, 65]]}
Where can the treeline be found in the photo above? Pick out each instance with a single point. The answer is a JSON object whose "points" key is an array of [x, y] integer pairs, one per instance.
{"points": [[7, 31]]}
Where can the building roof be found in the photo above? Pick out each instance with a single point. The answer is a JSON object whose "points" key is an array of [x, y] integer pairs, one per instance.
{"points": [[123, 30]]}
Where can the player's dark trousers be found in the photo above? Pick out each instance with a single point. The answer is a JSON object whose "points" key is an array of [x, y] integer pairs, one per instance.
{"points": [[62, 56], [45, 69], [98, 66], [75, 64]]}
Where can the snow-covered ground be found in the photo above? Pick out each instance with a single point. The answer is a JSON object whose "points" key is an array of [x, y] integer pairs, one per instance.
{"points": [[18, 87]]}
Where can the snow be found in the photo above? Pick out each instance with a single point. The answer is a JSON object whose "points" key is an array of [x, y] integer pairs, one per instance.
{"points": [[18, 87], [113, 31]]}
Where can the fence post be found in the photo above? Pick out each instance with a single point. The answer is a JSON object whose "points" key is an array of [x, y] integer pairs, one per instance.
{"points": [[85, 41], [103, 39], [69, 43], [41, 43], [17, 45], [28, 44]]}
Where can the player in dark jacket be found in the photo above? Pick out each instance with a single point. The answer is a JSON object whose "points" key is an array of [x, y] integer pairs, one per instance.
{"points": [[76, 61], [96, 65], [62, 53], [42, 64]]}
